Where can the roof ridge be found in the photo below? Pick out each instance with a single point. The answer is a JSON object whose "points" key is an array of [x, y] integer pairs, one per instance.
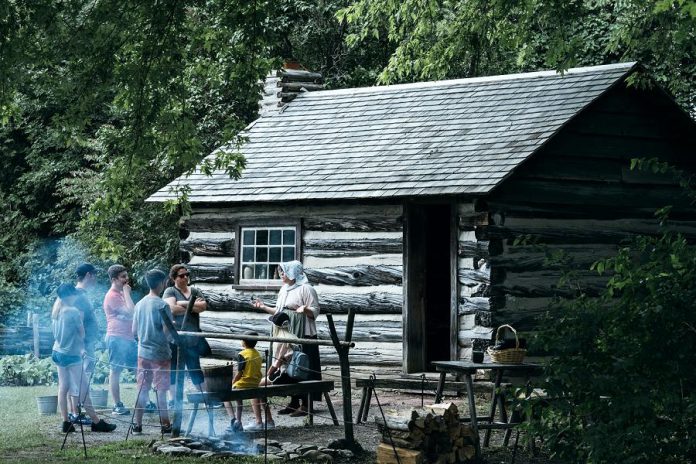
{"points": [[468, 80]]}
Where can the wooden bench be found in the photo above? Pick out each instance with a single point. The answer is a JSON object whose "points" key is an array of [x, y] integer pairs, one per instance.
{"points": [[414, 384], [301, 388]]}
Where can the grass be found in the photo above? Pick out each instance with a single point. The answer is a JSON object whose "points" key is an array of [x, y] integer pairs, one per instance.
{"points": [[26, 436]]}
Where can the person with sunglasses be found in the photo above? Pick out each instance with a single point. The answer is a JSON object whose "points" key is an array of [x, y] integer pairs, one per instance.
{"points": [[177, 297]]}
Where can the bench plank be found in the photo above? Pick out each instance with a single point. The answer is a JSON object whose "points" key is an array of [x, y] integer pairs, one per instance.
{"points": [[308, 386]]}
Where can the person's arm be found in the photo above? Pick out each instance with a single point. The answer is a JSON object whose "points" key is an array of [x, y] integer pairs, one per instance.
{"points": [[134, 327], [200, 305], [169, 297], [258, 303], [55, 310], [130, 306], [311, 306]]}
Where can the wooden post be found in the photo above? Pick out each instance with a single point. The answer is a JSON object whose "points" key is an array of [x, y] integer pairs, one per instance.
{"points": [[345, 373], [29, 313], [37, 337]]}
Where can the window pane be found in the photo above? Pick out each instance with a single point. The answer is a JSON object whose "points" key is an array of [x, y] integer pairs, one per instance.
{"points": [[247, 254], [288, 237], [260, 271], [261, 254], [271, 269], [288, 253], [276, 237], [262, 237], [274, 254], [248, 237]]}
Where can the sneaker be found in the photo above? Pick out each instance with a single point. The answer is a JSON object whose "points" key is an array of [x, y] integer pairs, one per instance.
{"points": [[103, 426], [120, 410], [136, 429], [270, 425], [170, 404], [166, 429], [68, 427], [150, 408], [253, 427], [79, 419], [232, 427]]}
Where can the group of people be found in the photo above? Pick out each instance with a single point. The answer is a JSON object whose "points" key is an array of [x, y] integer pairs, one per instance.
{"points": [[137, 336]]}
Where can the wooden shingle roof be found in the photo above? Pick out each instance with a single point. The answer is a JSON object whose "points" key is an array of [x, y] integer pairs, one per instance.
{"points": [[435, 138]]}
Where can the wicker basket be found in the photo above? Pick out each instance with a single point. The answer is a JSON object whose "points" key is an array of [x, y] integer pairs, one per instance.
{"points": [[509, 355]]}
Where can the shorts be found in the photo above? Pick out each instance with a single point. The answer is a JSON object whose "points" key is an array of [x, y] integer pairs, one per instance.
{"points": [[192, 361], [153, 372], [123, 354], [65, 360]]}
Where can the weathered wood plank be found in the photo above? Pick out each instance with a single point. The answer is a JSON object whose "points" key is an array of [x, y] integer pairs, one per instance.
{"points": [[208, 246], [546, 284], [472, 249], [361, 247], [335, 303], [551, 256], [581, 230], [473, 277], [211, 273], [379, 331], [353, 224], [358, 276]]}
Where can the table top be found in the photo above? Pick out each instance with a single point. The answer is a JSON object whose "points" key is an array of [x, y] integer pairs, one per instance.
{"points": [[471, 367]]}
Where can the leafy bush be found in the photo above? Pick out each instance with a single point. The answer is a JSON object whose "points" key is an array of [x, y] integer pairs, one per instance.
{"points": [[26, 370], [101, 370], [622, 386]]}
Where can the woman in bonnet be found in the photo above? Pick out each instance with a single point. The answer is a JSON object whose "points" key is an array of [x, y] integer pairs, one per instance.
{"points": [[299, 300]]}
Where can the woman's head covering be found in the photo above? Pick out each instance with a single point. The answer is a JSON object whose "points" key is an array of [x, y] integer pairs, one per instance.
{"points": [[294, 271]]}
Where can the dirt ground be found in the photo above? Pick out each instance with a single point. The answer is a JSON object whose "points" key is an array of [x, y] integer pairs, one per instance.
{"points": [[322, 433]]}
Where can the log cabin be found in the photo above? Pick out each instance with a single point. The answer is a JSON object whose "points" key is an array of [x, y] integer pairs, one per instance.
{"points": [[431, 208]]}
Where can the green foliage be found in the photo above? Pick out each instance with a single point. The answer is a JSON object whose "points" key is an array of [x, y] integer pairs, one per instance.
{"points": [[621, 383], [26, 370], [101, 370]]}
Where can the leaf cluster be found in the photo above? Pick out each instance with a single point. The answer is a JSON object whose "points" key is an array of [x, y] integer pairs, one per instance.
{"points": [[26, 371]]}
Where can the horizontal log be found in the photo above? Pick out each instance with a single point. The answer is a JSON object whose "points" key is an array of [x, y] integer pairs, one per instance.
{"points": [[358, 276], [354, 224], [472, 305], [335, 303], [523, 314], [363, 330], [211, 273], [296, 87], [339, 247], [472, 220], [582, 230], [473, 277], [546, 284], [551, 256], [293, 75], [208, 246]]}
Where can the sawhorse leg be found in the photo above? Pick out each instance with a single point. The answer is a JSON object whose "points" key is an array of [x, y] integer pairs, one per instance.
{"points": [[310, 409], [441, 387], [472, 413], [329, 404], [358, 418], [497, 398]]}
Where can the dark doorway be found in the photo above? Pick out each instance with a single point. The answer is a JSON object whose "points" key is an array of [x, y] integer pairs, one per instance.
{"points": [[428, 313]]}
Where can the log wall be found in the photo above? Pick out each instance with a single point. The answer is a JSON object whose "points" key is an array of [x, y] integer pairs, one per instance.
{"points": [[352, 255], [573, 203]]}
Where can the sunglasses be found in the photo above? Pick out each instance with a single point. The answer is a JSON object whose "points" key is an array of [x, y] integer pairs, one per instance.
{"points": [[183, 275]]}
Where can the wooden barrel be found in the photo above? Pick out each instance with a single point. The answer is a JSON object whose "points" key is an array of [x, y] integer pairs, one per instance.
{"points": [[219, 378]]}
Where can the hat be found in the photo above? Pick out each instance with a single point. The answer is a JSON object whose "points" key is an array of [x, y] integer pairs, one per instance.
{"points": [[279, 319]]}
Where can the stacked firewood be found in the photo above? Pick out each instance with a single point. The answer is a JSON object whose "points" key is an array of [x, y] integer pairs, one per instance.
{"points": [[430, 435]]}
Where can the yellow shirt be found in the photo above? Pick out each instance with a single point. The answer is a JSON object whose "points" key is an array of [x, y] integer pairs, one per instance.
{"points": [[249, 364]]}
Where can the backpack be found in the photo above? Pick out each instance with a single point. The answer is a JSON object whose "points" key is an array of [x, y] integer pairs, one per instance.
{"points": [[298, 367]]}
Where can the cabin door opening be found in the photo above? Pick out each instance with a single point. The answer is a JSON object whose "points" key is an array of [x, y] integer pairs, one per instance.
{"points": [[428, 309]]}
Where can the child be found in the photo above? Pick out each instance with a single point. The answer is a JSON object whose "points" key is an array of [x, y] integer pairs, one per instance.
{"points": [[68, 352], [248, 376], [154, 354]]}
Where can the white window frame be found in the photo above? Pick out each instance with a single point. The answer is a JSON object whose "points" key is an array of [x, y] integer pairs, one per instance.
{"points": [[272, 279]]}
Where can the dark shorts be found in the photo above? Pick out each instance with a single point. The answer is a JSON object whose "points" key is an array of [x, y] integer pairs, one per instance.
{"points": [[65, 360], [123, 354], [192, 361]]}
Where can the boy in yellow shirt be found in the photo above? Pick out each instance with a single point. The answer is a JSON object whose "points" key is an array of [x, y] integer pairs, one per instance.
{"points": [[248, 376]]}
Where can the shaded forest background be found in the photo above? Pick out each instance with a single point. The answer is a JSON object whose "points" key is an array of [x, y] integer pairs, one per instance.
{"points": [[104, 102]]}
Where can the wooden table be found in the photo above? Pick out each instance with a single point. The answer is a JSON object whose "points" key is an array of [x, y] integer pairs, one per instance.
{"points": [[468, 369]]}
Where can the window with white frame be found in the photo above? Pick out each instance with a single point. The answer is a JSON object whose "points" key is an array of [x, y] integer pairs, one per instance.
{"points": [[262, 249]]}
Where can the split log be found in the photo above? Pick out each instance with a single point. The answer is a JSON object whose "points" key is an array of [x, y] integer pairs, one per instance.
{"points": [[365, 331], [335, 303], [358, 276], [472, 305], [471, 249], [385, 455], [473, 220], [209, 246], [211, 273], [354, 224], [473, 277], [298, 86], [547, 256], [297, 75], [547, 284], [338, 247]]}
